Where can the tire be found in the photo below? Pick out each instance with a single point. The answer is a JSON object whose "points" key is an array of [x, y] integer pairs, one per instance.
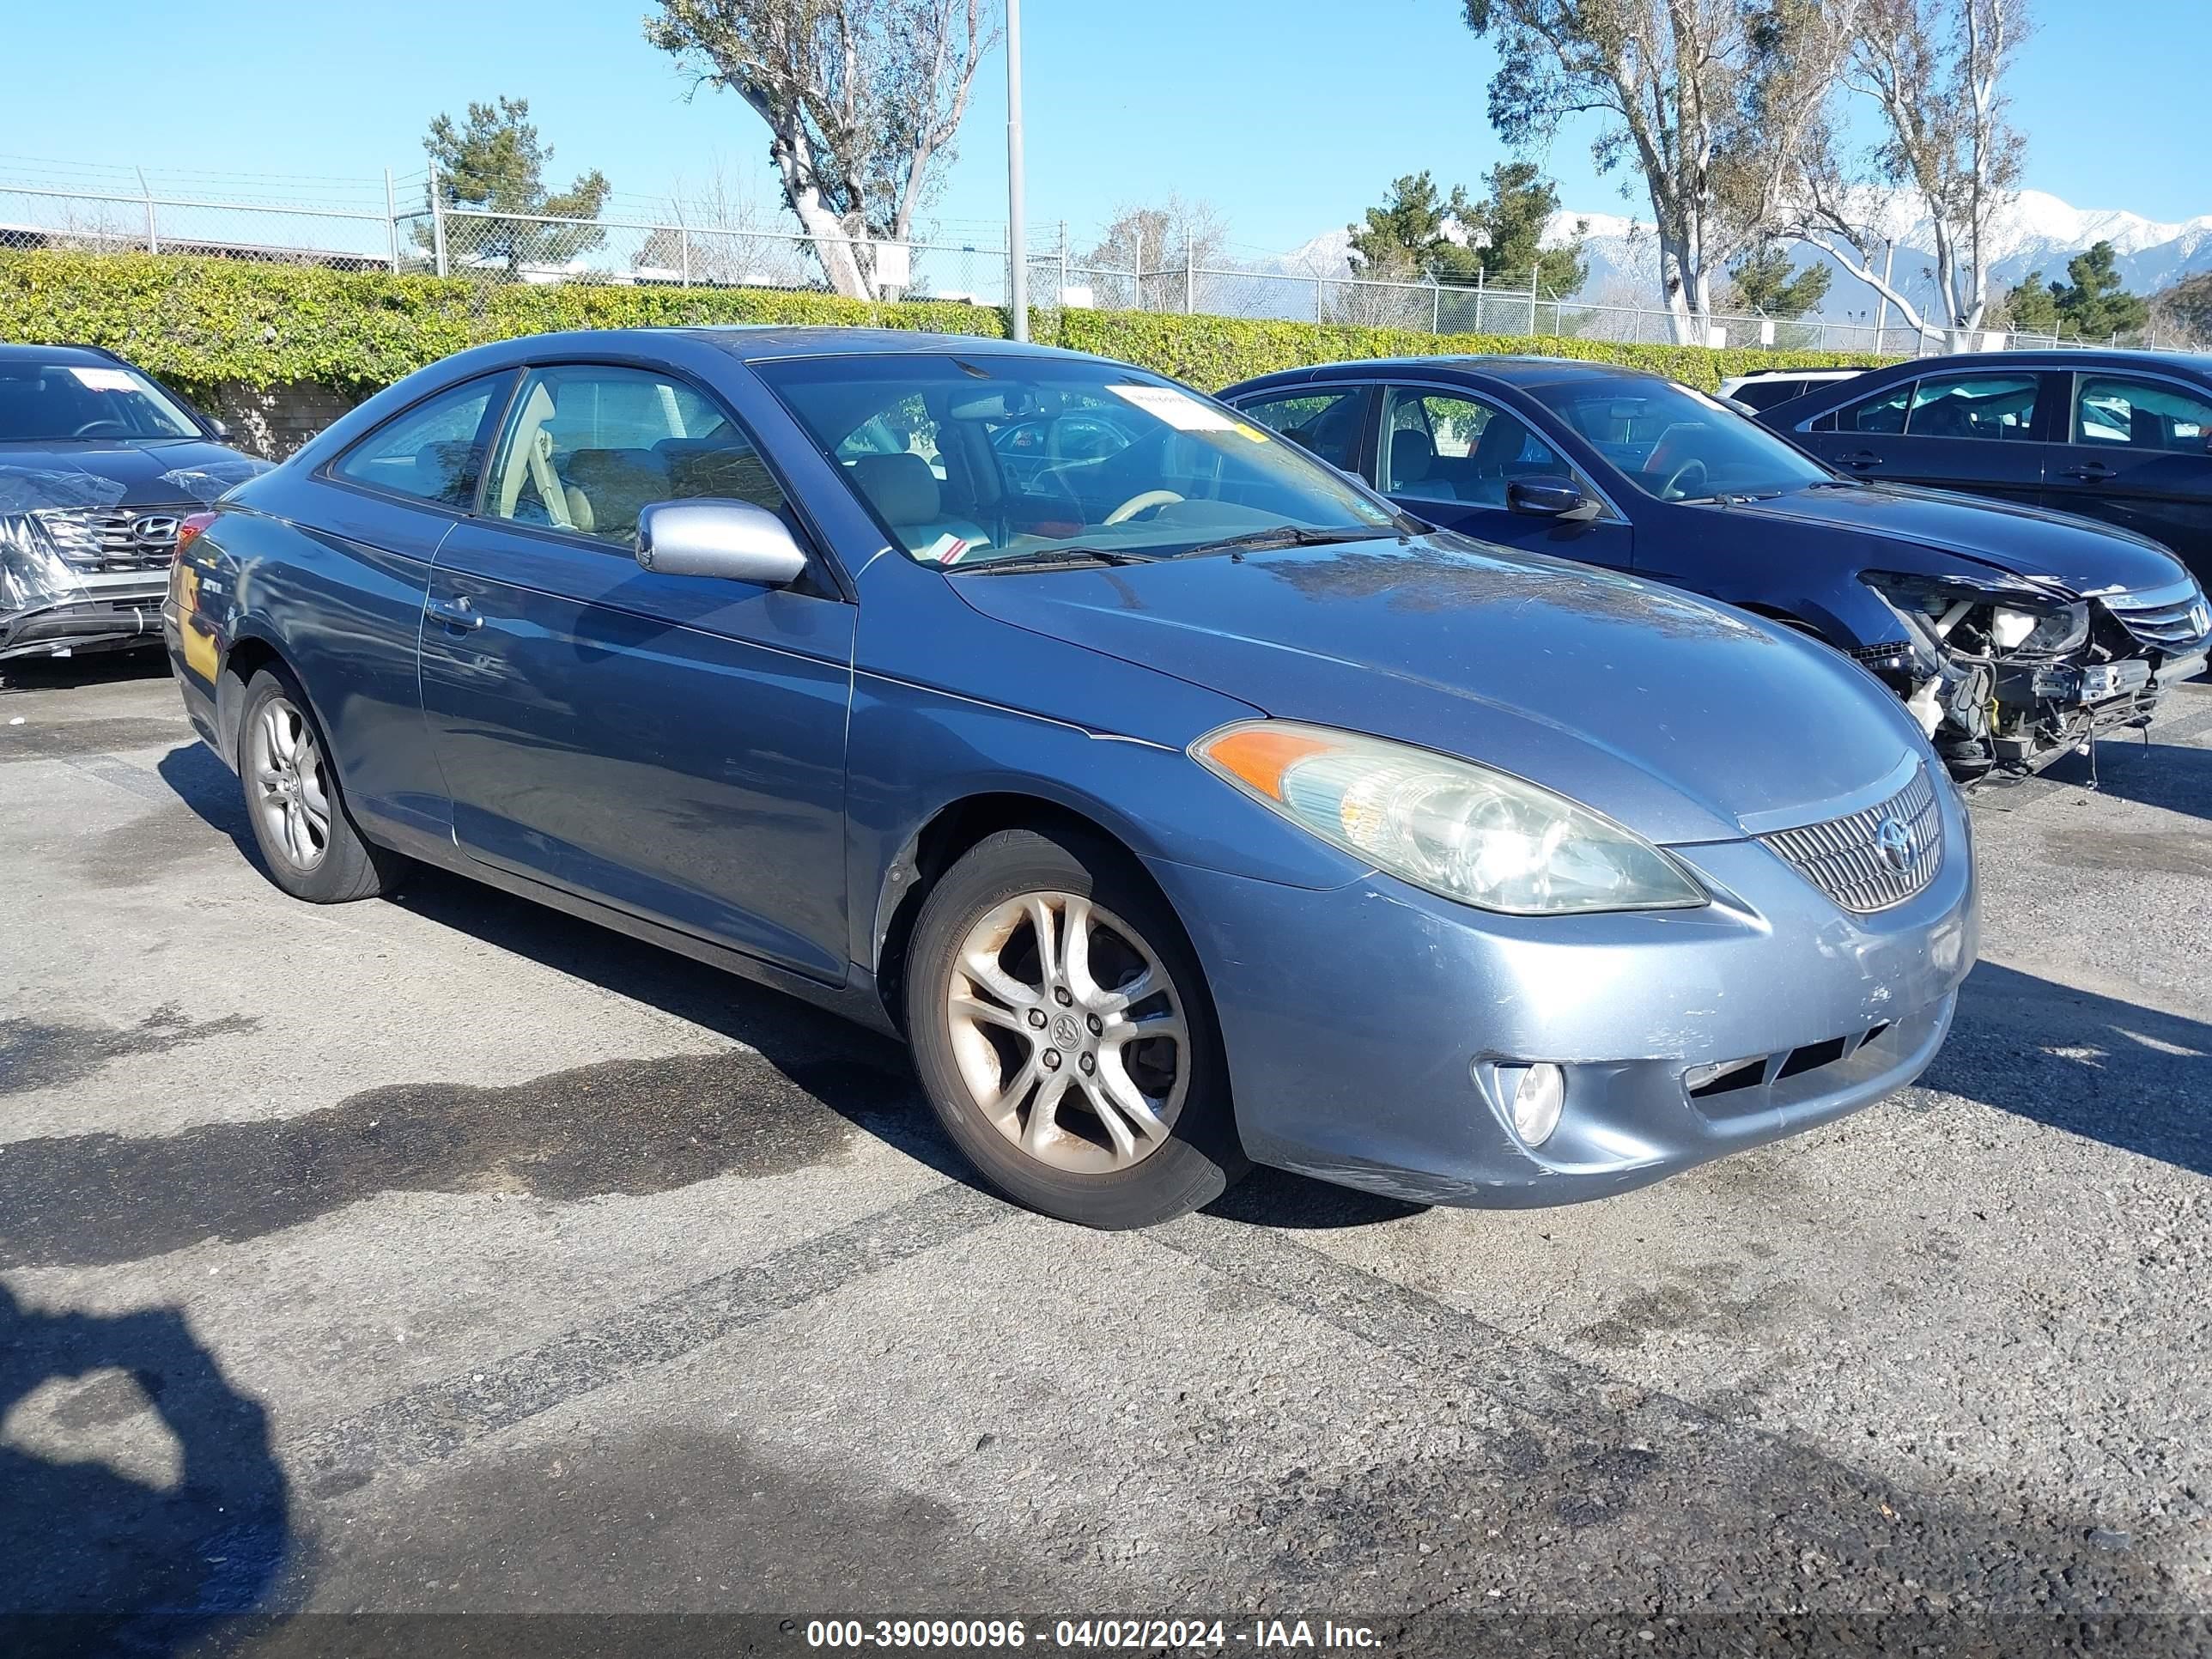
{"points": [[309, 844], [1063, 1037]]}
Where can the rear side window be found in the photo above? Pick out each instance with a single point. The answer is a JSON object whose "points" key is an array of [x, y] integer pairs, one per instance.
{"points": [[1325, 422], [1990, 406], [1766, 394], [2140, 415], [434, 452], [588, 449], [1883, 412]]}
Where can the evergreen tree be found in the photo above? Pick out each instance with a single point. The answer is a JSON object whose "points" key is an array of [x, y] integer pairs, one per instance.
{"points": [[1762, 281], [495, 164]]}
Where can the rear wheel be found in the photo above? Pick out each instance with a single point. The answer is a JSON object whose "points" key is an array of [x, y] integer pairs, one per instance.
{"points": [[1064, 1036], [307, 840]]}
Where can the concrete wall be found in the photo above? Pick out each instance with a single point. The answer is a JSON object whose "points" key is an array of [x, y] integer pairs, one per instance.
{"points": [[272, 422]]}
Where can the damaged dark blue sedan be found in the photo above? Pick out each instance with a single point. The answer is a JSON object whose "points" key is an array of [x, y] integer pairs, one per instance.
{"points": [[2014, 634], [1180, 801]]}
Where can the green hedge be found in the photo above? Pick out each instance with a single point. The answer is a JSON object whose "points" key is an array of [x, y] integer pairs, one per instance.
{"points": [[203, 322]]}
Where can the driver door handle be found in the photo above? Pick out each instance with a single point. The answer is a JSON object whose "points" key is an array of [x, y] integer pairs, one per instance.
{"points": [[2089, 471], [456, 613], [1859, 459]]}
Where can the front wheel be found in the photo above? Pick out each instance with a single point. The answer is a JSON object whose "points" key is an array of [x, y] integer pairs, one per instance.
{"points": [[1064, 1036]]}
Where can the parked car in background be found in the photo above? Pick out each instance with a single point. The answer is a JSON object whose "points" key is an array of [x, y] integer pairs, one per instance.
{"points": [[1179, 799], [99, 465], [2124, 437], [1770, 386], [2013, 634]]}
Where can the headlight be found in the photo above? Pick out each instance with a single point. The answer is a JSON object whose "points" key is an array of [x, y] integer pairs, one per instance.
{"points": [[1482, 837], [2045, 633]]}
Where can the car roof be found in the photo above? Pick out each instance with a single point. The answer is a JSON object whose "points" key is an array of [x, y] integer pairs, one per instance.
{"points": [[57, 354], [2055, 357], [754, 342], [1516, 369]]}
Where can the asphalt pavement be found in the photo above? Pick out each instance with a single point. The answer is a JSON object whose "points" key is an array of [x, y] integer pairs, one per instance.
{"points": [[370, 1265]]}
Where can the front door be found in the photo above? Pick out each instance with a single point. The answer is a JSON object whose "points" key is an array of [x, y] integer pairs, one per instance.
{"points": [[672, 746], [1449, 457], [2139, 455]]}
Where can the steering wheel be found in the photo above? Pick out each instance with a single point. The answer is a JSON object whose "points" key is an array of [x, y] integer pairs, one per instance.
{"points": [[92, 427], [1673, 489], [1138, 502]]}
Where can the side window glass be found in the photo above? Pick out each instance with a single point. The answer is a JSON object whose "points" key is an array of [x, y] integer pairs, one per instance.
{"points": [[1998, 406], [1440, 447], [434, 451], [2141, 414], [1326, 422], [1883, 412], [586, 449]]}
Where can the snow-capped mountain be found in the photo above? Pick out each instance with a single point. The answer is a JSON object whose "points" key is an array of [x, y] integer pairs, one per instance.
{"points": [[2038, 232]]}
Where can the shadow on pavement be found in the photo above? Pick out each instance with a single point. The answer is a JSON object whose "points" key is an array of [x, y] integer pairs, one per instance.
{"points": [[2175, 776], [2094, 1065], [91, 668], [101, 1562]]}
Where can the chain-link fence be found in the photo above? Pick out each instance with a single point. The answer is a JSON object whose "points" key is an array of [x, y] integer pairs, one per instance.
{"points": [[415, 229]]}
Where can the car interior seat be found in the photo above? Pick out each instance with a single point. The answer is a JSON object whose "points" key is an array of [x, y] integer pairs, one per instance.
{"points": [[2147, 429], [615, 486], [1333, 434], [1412, 467], [903, 489]]}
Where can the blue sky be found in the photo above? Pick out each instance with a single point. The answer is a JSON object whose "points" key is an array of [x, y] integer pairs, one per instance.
{"points": [[1289, 115]]}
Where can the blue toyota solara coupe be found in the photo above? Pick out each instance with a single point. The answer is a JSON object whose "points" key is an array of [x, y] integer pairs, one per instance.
{"points": [[1181, 801]]}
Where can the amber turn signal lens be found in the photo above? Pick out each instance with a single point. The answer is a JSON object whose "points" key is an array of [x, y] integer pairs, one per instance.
{"points": [[1259, 755]]}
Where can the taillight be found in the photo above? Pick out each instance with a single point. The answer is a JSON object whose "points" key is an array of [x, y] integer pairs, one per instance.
{"points": [[189, 528]]}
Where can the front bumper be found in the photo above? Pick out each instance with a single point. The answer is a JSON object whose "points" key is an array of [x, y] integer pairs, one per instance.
{"points": [[1363, 1026], [102, 613]]}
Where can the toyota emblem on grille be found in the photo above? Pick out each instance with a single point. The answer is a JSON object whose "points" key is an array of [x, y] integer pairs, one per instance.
{"points": [[1893, 839], [154, 530]]}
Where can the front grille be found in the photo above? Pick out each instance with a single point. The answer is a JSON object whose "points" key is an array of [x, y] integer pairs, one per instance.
{"points": [[2166, 616], [115, 537], [1869, 860]]}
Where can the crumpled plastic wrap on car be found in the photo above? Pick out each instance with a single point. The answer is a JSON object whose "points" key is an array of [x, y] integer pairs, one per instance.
{"points": [[208, 484], [33, 575]]}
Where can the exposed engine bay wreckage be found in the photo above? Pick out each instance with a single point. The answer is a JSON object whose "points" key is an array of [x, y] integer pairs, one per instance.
{"points": [[2006, 676], [85, 557]]}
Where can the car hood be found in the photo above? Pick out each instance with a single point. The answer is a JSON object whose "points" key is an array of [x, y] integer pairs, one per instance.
{"points": [[1999, 536], [1678, 718], [103, 474]]}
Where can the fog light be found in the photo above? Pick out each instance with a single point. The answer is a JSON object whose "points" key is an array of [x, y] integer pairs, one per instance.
{"points": [[1537, 1098]]}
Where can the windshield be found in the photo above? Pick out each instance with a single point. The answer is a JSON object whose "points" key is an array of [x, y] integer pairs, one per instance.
{"points": [[984, 459], [46, 403], [1679, 445]]}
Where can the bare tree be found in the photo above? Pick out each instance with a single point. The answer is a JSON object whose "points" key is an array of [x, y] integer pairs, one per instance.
{"points": [[1708, 100], [728, 238], [862, 99], [1162, 239], [1934, 69]]}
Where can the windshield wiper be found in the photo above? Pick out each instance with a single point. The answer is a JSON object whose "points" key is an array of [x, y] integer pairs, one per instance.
{"points": [[1058, 558], [1288, 535]]}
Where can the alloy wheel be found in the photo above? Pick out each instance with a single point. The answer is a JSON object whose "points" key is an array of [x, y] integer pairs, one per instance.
{"points": [[1069, 1034], [291, 790]]}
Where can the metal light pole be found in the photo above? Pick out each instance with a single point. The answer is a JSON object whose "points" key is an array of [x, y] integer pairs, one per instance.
{"points": [[1017, 282]]}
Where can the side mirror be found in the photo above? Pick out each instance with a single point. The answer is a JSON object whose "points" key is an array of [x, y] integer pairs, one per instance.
{"points": [[220, 429], [735, 540], [1550, 498]]}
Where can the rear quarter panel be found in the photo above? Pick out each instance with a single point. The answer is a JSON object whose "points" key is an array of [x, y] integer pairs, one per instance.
{"points": [[331, 581]]}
